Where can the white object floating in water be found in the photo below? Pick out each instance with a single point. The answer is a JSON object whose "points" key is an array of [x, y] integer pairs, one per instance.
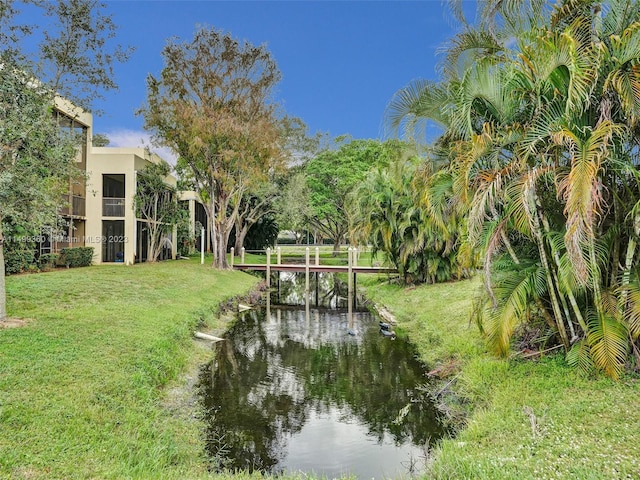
{"points": [[205, 336]]}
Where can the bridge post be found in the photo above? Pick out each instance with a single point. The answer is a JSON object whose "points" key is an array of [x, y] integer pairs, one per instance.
{"points": [[268, 267], [350, 280], [278, 255], [233, 252], [242, 255], [306, 274], [202, 247], [317, 255]]}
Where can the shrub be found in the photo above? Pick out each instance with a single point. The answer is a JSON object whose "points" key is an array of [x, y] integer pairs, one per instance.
{"points": [[77, 256], [16, 261], [48, 261]]}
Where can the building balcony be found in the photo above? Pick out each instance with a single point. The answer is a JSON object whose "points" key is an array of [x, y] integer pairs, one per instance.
{"points": [[74, 206], [113, 207]]}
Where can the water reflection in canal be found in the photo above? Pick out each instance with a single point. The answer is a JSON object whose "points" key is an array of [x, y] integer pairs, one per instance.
{"points": [[292, 390]]}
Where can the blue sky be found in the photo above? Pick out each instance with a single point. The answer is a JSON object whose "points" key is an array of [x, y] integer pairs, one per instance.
{"points": [[341, 61]]}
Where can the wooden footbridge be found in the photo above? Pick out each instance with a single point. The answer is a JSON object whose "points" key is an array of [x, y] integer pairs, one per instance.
{"points": [[315, 267], [297, 267], [352, 268]]}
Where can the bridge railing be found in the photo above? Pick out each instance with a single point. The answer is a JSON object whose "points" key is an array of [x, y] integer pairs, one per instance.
{"points": [[352, 261], [295, 254]]}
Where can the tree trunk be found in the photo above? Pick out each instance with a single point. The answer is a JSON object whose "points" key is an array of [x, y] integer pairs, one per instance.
{"points": [[221, 262], [536, 230], [224, 224], [239, 243], [152, 249], [572, 298], [242, 228], [3, 293], [628, 264], [240, 238], [336, 246], [212, 231], [222, 241]]}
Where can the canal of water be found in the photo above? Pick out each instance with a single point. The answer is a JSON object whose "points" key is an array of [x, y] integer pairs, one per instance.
{"points": [[317, 388]]}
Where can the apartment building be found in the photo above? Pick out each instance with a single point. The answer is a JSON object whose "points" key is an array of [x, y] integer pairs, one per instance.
{"points": [[99, 210], [112, 228], [72, 121]]}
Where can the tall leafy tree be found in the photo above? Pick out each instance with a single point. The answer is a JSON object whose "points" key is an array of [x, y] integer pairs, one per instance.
{"points": [[264, 197], [76, 49], [74, 59], [333, 174], [213, 105], [35, 161], [292, 204]]}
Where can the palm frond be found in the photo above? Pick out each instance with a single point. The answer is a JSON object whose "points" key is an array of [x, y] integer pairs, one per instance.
{"points": [[607, 338], [624, 78], [514, 293], [412, 106], [466, 47], [631, 313], [581, 190], [619, 15], [567, 11], [580, 357], [566, 62]]}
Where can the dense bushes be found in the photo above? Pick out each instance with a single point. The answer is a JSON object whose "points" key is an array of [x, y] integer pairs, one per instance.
{"points": [[16, 261], [48, 261], [77, 256], [407, 212]]}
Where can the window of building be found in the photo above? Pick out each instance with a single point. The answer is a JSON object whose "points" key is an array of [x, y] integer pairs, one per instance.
{"points": [[113, 195]]}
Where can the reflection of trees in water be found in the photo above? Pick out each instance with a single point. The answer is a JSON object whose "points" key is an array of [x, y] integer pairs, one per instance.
{"points": [[270, 374], [253, 402], [332, 292]]}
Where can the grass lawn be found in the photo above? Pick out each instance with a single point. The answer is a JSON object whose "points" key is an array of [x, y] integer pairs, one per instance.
{"points": [[529, 419], [83, 386], [86, 385]]}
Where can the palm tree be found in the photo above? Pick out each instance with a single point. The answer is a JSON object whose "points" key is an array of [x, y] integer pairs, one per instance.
{"points": [[405, 212], [540, 111]]}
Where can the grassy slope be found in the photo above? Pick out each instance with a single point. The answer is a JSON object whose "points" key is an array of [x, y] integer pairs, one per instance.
{"points": [[81, 385], [584, 428]]}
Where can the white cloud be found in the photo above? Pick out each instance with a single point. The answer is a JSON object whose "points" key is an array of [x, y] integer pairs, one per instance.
{"points": [[137, 138]]}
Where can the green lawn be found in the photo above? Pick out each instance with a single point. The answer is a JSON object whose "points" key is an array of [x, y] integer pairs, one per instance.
{"points": [[87, 388], [82, 385], [529, 419]]}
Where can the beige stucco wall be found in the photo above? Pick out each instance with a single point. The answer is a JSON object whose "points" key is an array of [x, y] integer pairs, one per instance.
{"points": [[117, 161], [77, 113], [101, 161]]}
